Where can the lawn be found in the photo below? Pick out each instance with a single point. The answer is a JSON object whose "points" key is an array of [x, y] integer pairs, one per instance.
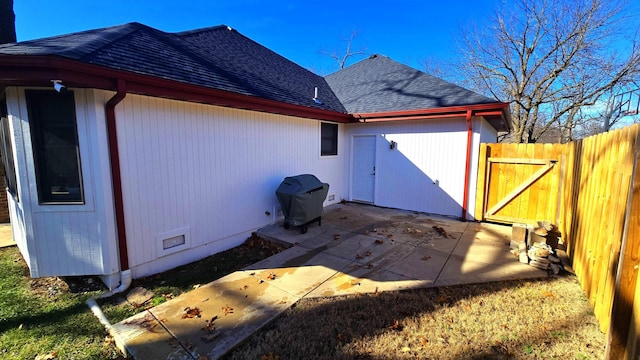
{"points": [[45, 319], [544, 319], [48, 318]]}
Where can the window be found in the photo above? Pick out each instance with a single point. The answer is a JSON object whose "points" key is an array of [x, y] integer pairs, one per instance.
{"points": [[54, 138], [7, 150], [328, 139]]}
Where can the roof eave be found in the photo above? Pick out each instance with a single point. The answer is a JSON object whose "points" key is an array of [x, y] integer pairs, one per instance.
{"points": [[25, 70], [496, 113]]}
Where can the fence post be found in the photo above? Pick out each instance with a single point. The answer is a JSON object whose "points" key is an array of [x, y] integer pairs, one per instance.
{"points": [[482, 181]]}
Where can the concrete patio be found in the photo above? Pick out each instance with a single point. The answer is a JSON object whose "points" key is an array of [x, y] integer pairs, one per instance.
{"points": [[358, 249]]}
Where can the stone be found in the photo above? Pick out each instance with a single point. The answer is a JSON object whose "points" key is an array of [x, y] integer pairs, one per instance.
{"points": [[518, 235]]}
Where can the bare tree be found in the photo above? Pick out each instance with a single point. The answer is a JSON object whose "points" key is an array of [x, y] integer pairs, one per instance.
{"points": [[551, 59], [342, 57], [7, 22]]}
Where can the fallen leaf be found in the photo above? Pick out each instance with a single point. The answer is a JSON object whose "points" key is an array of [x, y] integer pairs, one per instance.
{"points": [[271, 276], [190, 313], [396, 326], [336, 236], [343, 218], [368, 253], [379, 242], [426, 257], [424, 341], [547, 294], [270, 356], [358, 256], [227, 310], [441, 231], [390, 236], [369, 266], [203, 357], [210, 326], [49, 356], [442, 299], [245, 287]]}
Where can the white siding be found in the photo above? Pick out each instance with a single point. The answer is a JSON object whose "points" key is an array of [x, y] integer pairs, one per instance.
{"points": [[65, 239], [483, 132], [426, 171], [208, 172]]}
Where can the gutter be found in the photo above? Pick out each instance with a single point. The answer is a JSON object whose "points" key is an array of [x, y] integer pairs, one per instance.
{"points": [[467, 170]]}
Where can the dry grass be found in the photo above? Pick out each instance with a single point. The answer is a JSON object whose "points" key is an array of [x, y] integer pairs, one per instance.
{"points": [[545, 319]]}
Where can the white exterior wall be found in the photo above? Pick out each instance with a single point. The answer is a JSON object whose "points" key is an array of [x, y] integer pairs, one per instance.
{"points": [[209, 174], [483, 132], [64, 240], [426, 171]]}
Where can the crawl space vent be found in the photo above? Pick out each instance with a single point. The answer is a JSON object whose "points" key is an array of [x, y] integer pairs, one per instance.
{"points": [[173, 242]]}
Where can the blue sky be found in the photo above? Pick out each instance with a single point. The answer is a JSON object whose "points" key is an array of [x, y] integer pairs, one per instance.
{"points": [[409, 31]]}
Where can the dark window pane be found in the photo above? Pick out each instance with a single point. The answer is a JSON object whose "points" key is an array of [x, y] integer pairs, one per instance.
{"points": [[54, 137], [7, 150], [328, 139]]}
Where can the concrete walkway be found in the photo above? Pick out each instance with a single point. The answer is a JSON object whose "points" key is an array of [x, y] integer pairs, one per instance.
{"points": [[6, 236], [358, 249]]}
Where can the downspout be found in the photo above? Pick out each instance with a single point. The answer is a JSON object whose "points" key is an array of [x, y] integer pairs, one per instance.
{"points": [[467, 171], [116, 180]]}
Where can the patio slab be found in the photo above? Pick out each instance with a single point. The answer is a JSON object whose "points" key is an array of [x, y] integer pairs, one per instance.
{"points": [[357, 249]]}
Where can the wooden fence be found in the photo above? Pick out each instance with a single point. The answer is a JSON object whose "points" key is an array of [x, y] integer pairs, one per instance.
{"points": [[590, 189]]}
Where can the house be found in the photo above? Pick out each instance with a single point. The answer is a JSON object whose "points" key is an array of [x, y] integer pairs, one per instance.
{"points": [[130, 151]]}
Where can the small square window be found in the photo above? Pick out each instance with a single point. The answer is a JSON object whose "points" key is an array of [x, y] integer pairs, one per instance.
{"points": [[328, 139]]}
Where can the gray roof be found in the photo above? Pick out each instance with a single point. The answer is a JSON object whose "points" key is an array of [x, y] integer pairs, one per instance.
{"points": [[216, 57], [379, 84], [223, 59]]}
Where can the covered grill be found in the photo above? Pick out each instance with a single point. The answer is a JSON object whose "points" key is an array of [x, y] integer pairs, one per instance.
{"points": [[301, 199]]}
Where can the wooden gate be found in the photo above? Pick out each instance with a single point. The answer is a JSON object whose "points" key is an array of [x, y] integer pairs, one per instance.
{"points": [[519, 183]]}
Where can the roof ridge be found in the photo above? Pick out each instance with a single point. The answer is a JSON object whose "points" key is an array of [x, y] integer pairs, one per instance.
{"points": [[196, 31]]}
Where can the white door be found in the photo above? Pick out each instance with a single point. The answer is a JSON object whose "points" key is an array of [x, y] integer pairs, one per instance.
{"points": [[364, 168]]}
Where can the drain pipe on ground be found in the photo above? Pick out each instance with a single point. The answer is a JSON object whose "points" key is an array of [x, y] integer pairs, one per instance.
{"points": [[125, 282]]}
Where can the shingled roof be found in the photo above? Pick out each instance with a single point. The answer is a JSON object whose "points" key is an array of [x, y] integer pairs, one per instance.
{"points": [[379, 84], [220, 66], [217, 57]]}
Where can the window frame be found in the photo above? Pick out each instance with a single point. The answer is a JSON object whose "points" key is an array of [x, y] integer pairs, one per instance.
{"points": [[334, 138], [6, 149], [34, 98]]}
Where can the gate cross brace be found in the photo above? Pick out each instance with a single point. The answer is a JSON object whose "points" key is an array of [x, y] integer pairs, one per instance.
{"points": [[522, 187]]}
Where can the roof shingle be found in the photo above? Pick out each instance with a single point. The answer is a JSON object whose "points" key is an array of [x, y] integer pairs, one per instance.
{"points": [[379, 84], [217, 57]]}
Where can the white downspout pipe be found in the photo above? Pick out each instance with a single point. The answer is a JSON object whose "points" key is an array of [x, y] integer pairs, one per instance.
{"points": [[125, 282]]}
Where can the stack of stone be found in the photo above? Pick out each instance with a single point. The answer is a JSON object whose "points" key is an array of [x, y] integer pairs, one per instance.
{"points": [[530, 245]]}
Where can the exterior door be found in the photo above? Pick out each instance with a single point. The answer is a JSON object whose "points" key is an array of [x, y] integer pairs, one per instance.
{"points": [[363, 179]]}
